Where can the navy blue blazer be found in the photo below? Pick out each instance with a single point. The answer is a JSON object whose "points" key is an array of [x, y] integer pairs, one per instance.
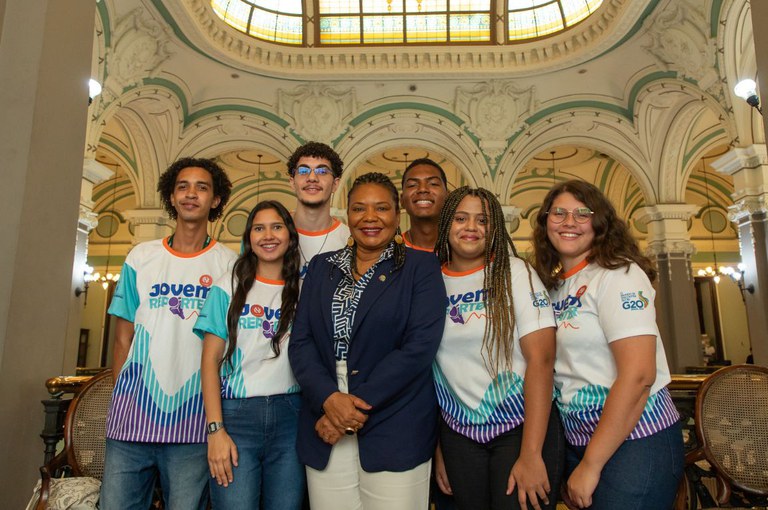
{"points": [[397, 330]]}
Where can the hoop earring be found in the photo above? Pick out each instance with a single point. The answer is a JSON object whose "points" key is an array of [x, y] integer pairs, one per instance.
{"points": [[350, 241]]}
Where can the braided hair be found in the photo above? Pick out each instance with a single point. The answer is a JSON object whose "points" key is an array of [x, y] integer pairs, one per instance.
{"points": [[497, 277], [383, 181]]}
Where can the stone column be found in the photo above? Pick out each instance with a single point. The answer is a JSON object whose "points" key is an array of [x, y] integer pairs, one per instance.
{"points": [[677, 315], [749, 168], [149, 224], [45, 63], [93, 173]]}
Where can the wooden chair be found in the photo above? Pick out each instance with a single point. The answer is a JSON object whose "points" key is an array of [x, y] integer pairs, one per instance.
{"points": [[732, 432], [84, 437]]}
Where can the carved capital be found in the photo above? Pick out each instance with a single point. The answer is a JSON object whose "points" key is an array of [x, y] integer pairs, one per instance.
{"points": [[137, 217], [87, 219], [666, 247], [748, 206], [668, 228]]}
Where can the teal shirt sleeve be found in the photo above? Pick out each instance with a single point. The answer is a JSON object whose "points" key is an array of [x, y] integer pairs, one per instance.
{"points": [[213, 316], [125, 301]]}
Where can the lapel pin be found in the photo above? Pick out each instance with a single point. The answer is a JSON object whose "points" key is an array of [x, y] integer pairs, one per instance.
{"points": [[382, 277]]}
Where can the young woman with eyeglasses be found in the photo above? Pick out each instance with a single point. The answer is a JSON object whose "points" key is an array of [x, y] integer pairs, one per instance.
{"points": [[251, 397], [625, 446]]}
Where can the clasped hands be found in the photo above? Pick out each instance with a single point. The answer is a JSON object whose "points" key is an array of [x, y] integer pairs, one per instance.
{"points": [[343, 414]]}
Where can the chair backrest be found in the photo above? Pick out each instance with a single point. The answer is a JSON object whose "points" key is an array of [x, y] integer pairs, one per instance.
{"points": [[86, 426], [732, 425]]}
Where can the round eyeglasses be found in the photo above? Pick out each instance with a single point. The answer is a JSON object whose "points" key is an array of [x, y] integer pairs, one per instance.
{"points": [[319, 171], [580, 214]]}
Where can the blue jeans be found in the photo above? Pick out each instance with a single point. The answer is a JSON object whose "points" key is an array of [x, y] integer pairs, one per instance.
{"points": [[268, 475], [643, 474], [131, 470]]}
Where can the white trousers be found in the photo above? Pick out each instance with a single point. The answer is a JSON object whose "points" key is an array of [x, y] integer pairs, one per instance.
{"points": [[343, 485]]}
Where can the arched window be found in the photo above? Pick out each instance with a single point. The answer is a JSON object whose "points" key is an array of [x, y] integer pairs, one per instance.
{"points": [[384, 22]]}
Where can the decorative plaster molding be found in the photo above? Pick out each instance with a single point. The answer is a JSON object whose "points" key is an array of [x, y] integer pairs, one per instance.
{"points": [[585, 41], [740, 158], [511, 212], [679, 42], [137, 217], [140, 46], [317, 111], [494, 110], [656, 248], [661, 212], [94, 172], [87, 219]]}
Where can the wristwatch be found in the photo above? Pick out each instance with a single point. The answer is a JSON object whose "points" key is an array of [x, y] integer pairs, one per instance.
{"points": [[215, 426]]}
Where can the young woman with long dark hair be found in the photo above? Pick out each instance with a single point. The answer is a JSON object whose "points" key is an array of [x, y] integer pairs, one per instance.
{"points": [[251, 397], [625, 447]]}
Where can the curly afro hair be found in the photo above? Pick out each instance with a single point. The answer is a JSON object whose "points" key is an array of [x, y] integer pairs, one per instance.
{"points": [[222, 187], [316, 150]]}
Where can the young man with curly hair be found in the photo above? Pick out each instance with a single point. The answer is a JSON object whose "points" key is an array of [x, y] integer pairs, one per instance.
{"points": [[156, 421], [315, 170]]}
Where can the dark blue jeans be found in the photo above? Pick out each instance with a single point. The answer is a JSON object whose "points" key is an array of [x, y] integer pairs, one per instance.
{"points": [[478, 472], [643, 474], [131, 470], [269, 475]]}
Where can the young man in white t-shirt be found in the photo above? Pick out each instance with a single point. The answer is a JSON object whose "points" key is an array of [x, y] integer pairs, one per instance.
{"points": [[315, 170], [424, 190], [156, 420]]}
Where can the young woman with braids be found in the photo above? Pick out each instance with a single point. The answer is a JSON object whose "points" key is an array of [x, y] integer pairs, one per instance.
{"points": [[625, 447], [501, 442], [251, 397], [367, 328]]}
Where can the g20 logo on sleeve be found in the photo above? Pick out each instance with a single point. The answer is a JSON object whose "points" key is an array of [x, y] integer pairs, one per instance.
{"points": [[540, 299], [634, 300]]}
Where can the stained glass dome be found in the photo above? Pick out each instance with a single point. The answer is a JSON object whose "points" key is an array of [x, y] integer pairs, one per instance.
{"points": [[358, 22]]}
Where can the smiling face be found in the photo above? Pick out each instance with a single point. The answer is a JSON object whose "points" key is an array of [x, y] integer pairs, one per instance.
{"points": [[314, 190], [423, 193], [372, 216], [269, 237], [467, 235], [193, 195], [571, 240]]}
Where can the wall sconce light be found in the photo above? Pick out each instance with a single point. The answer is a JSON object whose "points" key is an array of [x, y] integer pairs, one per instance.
{"points": [[737, 275], [747, 90], [88, 277], [94, 89]]}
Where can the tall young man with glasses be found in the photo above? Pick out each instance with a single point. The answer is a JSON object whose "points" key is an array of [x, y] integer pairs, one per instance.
{"points": [[315, 170]]}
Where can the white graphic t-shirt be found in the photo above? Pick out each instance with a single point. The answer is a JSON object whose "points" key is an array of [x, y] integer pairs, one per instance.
{"points": [[594, 307], [157, 396], [472, 402], [255, 371], [314, 243]]}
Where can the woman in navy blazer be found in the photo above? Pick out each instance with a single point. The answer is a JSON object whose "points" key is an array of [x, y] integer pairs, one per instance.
{"points": [[367, 327]]}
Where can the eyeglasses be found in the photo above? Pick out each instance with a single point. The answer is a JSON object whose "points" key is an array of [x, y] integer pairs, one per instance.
{"points": [[319, 171], [580, 214]]}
